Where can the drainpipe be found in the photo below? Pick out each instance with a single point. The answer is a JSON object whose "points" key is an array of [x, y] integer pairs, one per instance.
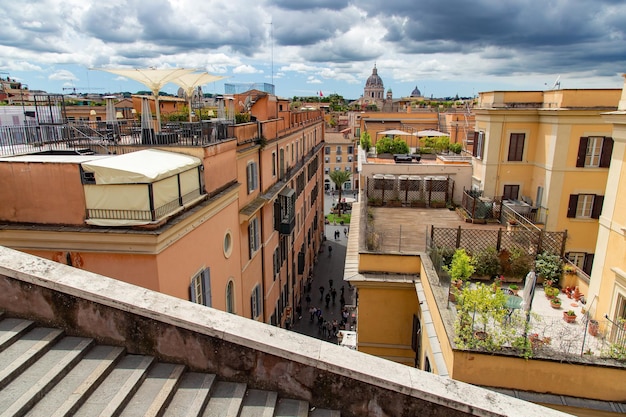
{"points": [[260, 133]]}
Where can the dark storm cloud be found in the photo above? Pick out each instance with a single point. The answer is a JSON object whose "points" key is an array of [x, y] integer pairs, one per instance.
{"points": [[304, 28]]}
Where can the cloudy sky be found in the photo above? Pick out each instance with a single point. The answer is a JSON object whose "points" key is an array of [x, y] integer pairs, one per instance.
{"points": [[305, 46]]}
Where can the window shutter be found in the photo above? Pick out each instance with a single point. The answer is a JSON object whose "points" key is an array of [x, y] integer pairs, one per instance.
{"points": [[571, 208], [597, 206], [582, 152], [475, 145], [588, 263], [192, 292], [249, 177], [206, 286], [607, 150], [255, 176], [250, 240]]}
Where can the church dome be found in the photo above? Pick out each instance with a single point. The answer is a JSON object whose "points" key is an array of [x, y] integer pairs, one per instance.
{"points": [[416, 92], [374, 80]]}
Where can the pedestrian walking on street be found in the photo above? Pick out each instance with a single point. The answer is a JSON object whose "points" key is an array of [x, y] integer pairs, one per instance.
{"points": [[321, 292], [343, 288], [330, 283], [345, 231], [330, 250], [342, 301], [333, 293], [312, 312], [327, 300]]}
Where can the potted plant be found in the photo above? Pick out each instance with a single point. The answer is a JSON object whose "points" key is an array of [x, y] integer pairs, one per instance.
{"points": [[569, 316], [437, 204], [418, 203], [551, 292], [486, 263], [569, 269], [460, 268], [519, 263], [549, 266], [555, 303], [514, 288], [594, 327]]}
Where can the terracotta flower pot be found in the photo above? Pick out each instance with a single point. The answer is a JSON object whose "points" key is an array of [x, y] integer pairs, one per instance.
{"points": [[568, 318], [593, 327]]}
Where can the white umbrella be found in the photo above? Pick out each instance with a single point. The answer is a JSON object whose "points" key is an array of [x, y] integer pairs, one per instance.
{"points": [[110, 109], [529, 290], [395, 132], [425, 133], [152, 78], [190, 81]]}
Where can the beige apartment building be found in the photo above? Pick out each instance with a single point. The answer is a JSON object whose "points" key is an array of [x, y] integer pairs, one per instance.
{"points": [[340, 154]]}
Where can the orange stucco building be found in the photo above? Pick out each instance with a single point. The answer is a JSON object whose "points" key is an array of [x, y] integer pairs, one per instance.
{"points": [[232, 221]]}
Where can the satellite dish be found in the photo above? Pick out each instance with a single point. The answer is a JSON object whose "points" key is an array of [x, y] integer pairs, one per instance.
{"points": [[557, 84]]}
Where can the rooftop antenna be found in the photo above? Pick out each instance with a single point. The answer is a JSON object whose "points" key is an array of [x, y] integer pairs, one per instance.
{"points": [[557, 83]]}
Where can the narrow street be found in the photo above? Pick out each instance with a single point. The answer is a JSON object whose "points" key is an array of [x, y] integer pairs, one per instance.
{"points": [[329, 267]]}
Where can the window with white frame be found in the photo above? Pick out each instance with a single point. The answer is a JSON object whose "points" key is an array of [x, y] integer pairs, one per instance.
{"points": [[327, 159], [338, 159], [252, 176], [255, 301], [349, 168], [585, 206], [349, 158], [594, 152], [326, 170], [253, 236], [577, 258], [200, 287], [337, 168]]}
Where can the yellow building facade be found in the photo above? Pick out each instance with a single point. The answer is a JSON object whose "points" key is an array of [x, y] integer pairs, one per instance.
{"points": [[552, 151]]}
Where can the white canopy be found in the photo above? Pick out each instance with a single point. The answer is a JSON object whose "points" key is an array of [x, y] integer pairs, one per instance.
{"points": [[152, 78], [190, 81], [395, 132], [424, 133], [146, 166]]}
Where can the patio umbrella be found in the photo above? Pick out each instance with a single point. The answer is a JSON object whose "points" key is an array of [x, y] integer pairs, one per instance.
{"points": [[426, 133], [147, 129], [529, 290], [189, 82], [152, 78], [395, 132], [110, 109]]}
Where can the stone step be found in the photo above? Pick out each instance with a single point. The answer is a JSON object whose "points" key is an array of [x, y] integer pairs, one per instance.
{"points": [[24, 351], [11, 330], [258, 403], [291, 408], [35, 381], [110, 397], [226, 399], [191, 396], [155, 391], [69, 393]]}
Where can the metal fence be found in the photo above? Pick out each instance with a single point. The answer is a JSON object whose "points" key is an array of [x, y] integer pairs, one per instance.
{"points": [[99, 137]]}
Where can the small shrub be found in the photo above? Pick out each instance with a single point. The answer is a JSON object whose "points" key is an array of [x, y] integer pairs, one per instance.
{"points": [[549, 266], [486, 262], [461, 267], [456, 148], [520, 263]]}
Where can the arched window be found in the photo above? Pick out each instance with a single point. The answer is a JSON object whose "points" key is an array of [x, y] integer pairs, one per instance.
{"points": [[230, 297]]}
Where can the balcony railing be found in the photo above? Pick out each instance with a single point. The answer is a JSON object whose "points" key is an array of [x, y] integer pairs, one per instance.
{"points": [[143, 215]]}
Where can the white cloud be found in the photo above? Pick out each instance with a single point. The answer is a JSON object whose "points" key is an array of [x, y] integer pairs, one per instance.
{"points": [[246, 69]]}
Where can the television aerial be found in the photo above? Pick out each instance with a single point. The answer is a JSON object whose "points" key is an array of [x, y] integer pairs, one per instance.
{"points": [[557, 83]]}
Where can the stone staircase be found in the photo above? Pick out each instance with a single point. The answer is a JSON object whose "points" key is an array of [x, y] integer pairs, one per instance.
{"points": [[44, 372]]}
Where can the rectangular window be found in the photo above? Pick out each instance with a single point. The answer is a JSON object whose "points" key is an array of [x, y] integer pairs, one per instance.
{"points": [[516, 146], [327, 150], [350, 149], [253, 236], [511, 192], [349, 158], [292, 149], [255, 302], [252, 176], [274, 164], [327, 159], [337, 168], [200, 288], [276, 262], [479, 143], [338, 150], [577, 258], [338, 159], [594, 151], [348, 168], [326, 170], [585, 206]]}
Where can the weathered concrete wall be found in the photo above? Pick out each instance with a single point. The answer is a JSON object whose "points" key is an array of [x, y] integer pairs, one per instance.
{"points": [[236, 348]]}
